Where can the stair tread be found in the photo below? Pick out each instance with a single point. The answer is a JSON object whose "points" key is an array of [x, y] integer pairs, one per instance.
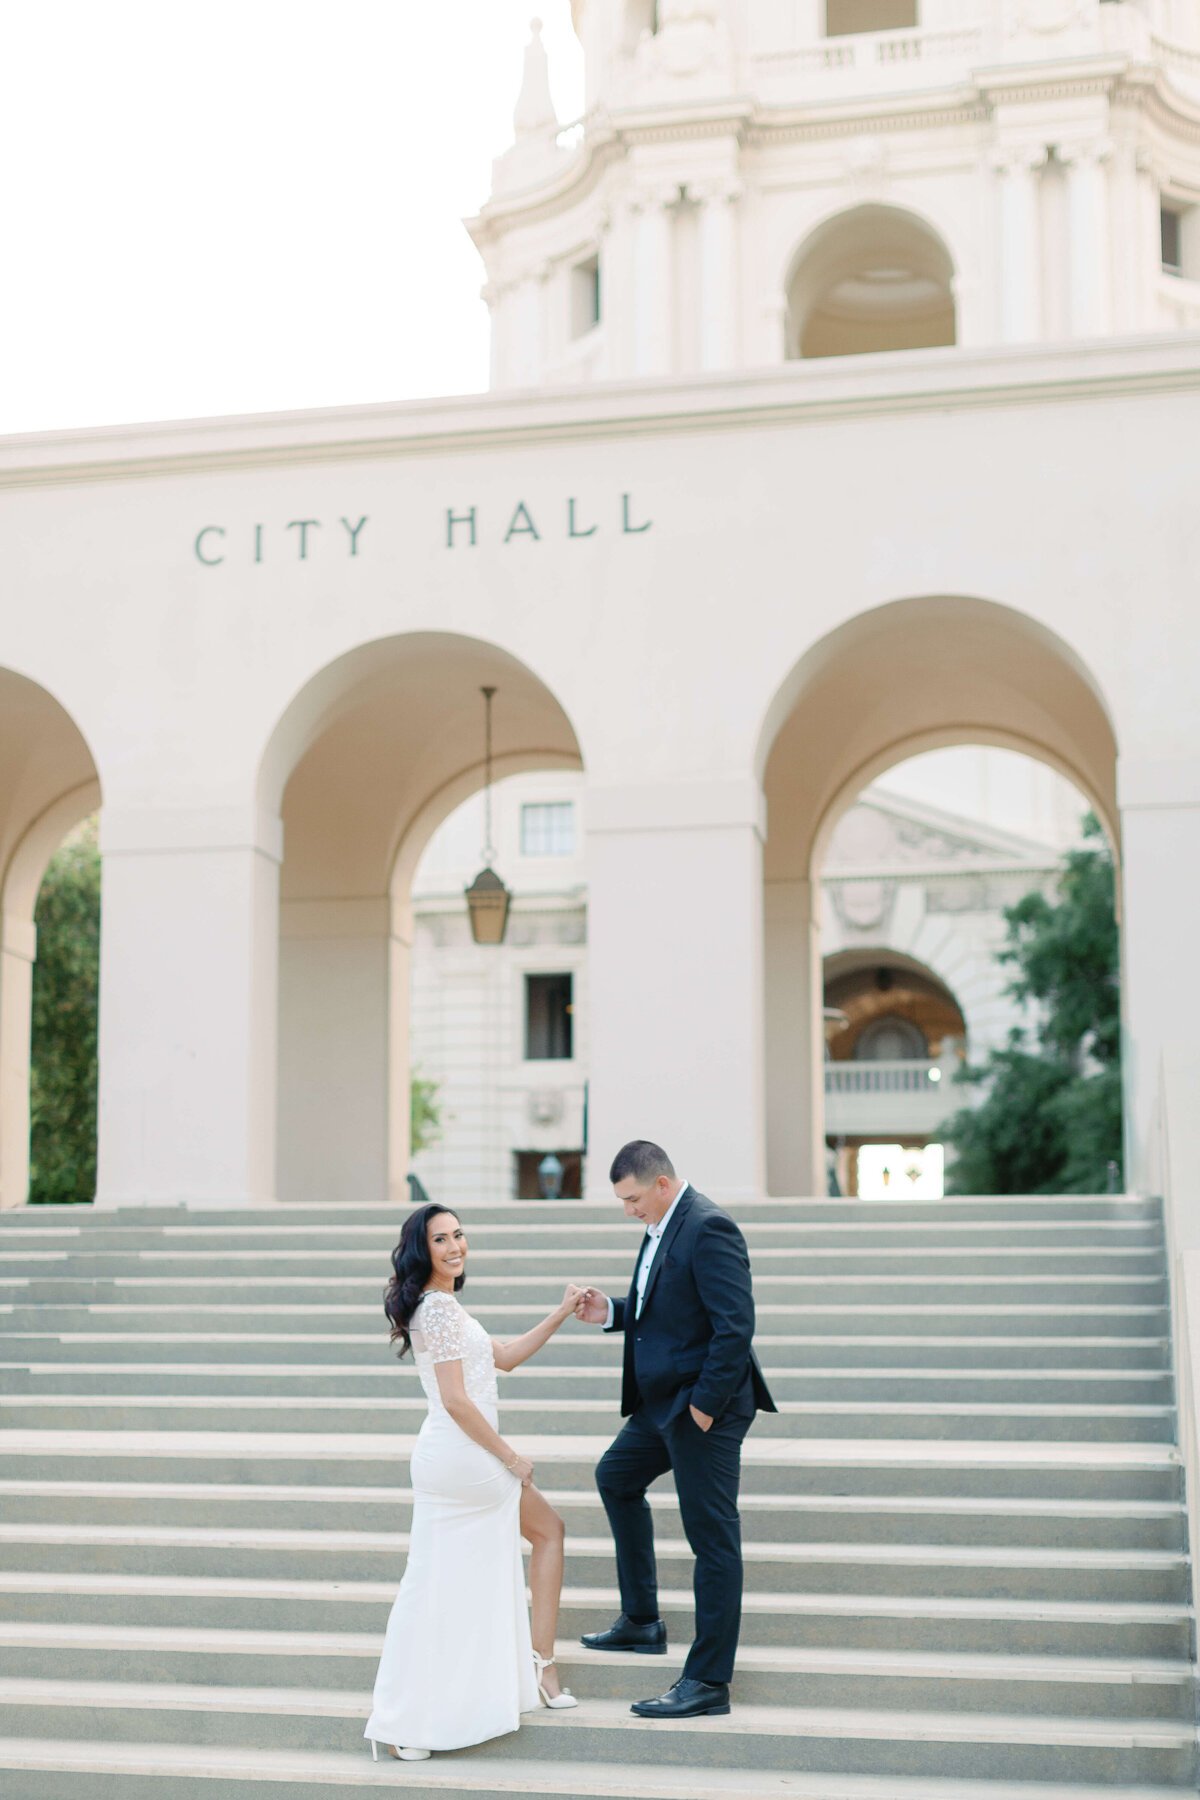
{"points": [[570, 1780], [781, 1659], [509, 1403], [388, 1371], [668, 1550], [808, 1452], [785, 1720], [919, 1505], [604, 1600]]}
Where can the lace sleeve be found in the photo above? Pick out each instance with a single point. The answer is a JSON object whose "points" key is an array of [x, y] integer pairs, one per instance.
{"points": [[441, 1321]]}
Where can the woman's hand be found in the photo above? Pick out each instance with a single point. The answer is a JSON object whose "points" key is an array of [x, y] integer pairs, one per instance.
{"points": [[569, 1303], [522, 1468]]}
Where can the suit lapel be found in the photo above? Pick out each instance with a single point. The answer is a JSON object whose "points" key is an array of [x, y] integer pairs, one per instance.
{"points": [[664, 1244]]}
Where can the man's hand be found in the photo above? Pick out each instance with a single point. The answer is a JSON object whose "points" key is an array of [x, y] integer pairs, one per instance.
{"points": [[592, 1307], [703, 1420]]}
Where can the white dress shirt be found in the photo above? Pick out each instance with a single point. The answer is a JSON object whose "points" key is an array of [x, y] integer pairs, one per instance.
{"points": [[654, 1236]]}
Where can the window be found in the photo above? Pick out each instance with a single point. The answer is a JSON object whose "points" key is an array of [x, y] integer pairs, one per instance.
{"points": [[548, 828], [548, 1010], [845, 17], [585, 296], [1171, 223]]}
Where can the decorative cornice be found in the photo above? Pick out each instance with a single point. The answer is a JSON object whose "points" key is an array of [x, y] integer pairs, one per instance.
{"points": [[785, 395], [610, 137]]}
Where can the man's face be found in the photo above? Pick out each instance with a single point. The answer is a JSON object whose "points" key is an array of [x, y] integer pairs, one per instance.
{"points": [[648, 1201]]}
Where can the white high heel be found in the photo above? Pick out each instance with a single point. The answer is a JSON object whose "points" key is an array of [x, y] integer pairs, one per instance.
{"points": [[559, 1701], [400, 1755]]}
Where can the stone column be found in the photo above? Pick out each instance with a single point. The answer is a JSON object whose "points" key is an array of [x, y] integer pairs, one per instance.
{"points": [[188, 968], [719, 269], [343, 1029], [18, 951], [1160, 849], [1127, 267], [675, 979], [653, 288], [795, 1043], [1090, 260], [1020, 251]]}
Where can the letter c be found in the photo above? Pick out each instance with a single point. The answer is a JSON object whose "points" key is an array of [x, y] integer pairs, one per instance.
{"points": [[210, 562]]}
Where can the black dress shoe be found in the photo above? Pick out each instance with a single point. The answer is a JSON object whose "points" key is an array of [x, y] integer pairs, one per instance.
{"points": [[688, 1699], [647, 1640]]}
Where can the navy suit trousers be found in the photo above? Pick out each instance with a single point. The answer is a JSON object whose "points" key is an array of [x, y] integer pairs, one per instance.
{"points": [[707, 1468]]}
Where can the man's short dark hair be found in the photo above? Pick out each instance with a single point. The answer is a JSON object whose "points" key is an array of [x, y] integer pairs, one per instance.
{"points": [[641, 1159]]}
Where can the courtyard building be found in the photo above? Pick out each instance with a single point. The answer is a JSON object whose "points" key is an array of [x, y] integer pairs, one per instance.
{"points": [[845, 389]]}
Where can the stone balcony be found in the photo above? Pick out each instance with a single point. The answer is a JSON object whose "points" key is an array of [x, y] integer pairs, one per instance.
{"points": [[880, 1099]]}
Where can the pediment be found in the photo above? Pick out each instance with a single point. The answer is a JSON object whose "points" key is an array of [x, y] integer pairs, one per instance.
{"points": [[885, 832]]}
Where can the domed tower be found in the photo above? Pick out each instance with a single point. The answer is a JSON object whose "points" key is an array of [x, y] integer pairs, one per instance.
{"points": [[762, 180]]}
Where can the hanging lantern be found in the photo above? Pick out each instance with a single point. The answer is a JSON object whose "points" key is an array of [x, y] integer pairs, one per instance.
{"points": [[487, 896]]}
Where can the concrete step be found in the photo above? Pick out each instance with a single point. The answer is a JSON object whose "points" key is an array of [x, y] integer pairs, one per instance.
{"points": [[588, 1351], [1061, 1320], [47, 1770], [1101, 1687], [966, 1469], [536, 1295], [812, 1568], [832, 1740], [336, 1414], [278, 1217], [965, 1542], [607, 1264], [923, 1625], [386, 1380], [1069, 1524]]}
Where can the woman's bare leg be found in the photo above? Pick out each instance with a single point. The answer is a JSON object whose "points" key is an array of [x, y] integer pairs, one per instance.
{"points": [[543, 1530]]}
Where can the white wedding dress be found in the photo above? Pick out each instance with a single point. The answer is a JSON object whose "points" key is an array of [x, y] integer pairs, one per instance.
{"points": [[457, 1664]]}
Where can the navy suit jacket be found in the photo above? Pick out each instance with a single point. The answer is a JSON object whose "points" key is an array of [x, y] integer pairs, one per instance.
{"points": [[692, 1345]]}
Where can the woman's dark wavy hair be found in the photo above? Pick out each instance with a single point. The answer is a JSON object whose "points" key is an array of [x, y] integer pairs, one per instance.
{"points": [[413, 1266]]}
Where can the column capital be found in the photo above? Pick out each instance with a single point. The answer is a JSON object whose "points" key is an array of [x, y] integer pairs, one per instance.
{"points": [[1087, 154], [655, 197], [727, 190], [1017, 159]]}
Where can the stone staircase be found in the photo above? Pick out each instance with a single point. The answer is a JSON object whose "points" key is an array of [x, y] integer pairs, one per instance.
{"points": [[966, 1550]]}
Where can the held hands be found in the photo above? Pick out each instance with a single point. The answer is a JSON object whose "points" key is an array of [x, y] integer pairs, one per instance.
{"points": [[570, 1301], [592, 1306]]}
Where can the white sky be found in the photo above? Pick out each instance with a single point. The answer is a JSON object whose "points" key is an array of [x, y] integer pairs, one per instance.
{"points": [[244, 205]]}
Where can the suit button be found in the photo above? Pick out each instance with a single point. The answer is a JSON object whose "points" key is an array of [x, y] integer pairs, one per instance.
{"points": [[638, 1338]]}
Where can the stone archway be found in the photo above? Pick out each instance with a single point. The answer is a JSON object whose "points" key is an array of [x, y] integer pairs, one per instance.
{"points": [[48, 784], [370, 756], [873, 278], [912, 675]]}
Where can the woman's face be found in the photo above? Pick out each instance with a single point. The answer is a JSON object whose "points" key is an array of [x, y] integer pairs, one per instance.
{"points": [[447, 1246]]}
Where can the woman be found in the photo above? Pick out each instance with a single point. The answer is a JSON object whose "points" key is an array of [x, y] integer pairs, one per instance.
{"points": [[459, 1665]]}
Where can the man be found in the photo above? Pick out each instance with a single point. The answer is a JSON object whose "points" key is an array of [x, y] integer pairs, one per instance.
{"points": [[690, 1390]]}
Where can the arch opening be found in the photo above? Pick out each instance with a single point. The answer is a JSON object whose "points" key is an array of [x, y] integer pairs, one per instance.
{"points": [[372, 755], [876, 278], [851, 871], [48, 786]]}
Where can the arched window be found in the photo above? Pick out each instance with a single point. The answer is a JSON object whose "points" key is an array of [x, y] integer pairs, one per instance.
{"points": [[890, 1039], [874, 278]]}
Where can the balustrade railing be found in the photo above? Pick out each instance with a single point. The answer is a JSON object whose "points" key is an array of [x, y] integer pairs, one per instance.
{"points": [[917, 1077]]}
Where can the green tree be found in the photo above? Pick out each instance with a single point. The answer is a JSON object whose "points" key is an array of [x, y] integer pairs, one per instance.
{"points": [[66, 987], [425, 1112], [1051, 1119]]}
